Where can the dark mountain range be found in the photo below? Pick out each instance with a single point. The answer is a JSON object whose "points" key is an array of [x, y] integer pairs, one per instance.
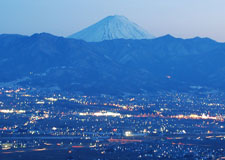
{"points": [[115, 66]]}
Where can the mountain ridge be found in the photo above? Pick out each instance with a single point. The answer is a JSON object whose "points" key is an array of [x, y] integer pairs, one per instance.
{"points": [[112, 66]]}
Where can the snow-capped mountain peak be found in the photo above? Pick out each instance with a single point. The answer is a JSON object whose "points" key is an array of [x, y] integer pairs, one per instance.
{"points": [[112, 27]]}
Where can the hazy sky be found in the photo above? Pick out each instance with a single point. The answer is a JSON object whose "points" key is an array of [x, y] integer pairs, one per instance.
{"points": [[181, 18]]}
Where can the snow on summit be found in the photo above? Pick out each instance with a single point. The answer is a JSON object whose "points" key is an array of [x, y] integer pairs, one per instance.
{"points": [[112, 27]]}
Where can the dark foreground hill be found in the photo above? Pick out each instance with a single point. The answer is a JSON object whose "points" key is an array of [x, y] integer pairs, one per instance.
{"points": [[116, 66]]}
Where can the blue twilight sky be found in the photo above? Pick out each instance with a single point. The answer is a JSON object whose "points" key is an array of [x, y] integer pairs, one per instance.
{"points": [[181, 18]]}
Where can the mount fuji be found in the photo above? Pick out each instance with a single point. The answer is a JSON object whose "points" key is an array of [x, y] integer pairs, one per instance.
{"points": [[112, 27]]}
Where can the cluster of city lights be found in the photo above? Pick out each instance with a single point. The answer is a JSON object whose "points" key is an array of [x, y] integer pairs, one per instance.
{"points": [[195, 116], [12, 111]]}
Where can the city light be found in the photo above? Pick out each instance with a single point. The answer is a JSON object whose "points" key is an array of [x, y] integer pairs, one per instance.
{"points": [[128, 134]]}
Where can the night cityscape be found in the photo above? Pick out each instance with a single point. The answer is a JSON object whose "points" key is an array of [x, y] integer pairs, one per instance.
{"points": [[112, 80], [166, 125]]}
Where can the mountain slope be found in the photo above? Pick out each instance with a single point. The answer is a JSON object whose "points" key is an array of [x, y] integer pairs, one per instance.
{"points": [[116, 66], [112, 27]]}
